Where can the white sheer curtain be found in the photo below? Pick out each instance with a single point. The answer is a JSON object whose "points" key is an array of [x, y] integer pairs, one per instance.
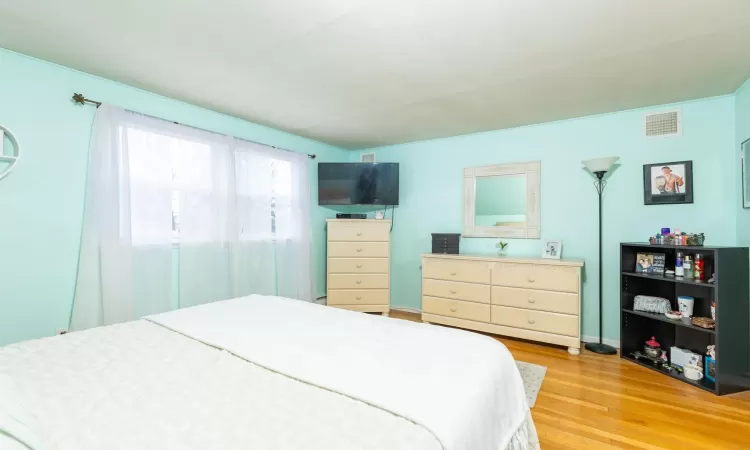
{"points": [[275, 241], [125, 264], [177, 216]]}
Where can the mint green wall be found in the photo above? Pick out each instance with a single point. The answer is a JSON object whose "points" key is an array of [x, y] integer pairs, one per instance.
{"points": [[742, 129], [41, 202], [431, 194]]}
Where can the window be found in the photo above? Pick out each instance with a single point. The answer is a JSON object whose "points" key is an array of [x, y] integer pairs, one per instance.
{"points": [[181, 189], [166, 174], [264, 195]]}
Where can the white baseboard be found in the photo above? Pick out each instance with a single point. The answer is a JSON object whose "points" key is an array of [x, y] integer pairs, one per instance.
{"points": [[409, 310], [613, 342]]}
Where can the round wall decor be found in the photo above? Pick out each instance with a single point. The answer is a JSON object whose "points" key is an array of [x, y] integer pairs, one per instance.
{"points": [[8, 156]]}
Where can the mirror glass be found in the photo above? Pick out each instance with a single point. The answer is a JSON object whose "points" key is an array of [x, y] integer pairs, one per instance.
{"points": [[500, 201]]}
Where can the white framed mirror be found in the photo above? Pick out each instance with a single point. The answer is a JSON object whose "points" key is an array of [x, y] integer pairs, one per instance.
{"points": [[503, 201]]}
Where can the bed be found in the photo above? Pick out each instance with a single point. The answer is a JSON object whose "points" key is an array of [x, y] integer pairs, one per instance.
{"points": [[263, 372]]}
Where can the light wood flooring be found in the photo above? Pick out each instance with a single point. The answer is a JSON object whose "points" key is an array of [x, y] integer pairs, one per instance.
{"points": [[603, 402]]}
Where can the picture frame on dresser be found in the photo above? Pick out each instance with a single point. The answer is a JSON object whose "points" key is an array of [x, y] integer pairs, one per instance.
{"points": [[552, 250], [528, 298]]}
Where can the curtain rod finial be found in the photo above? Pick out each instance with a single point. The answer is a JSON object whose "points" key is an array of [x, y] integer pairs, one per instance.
{"points": [[79, 98]]}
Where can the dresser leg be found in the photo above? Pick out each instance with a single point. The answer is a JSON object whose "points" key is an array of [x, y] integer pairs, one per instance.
{"points": [[575, 351], [386, 314]]}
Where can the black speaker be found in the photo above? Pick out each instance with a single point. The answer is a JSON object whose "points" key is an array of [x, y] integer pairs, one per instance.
{"points": [[351, 216]]}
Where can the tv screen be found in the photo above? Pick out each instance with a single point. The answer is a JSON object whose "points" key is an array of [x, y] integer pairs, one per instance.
{"points": [[358, 184]]}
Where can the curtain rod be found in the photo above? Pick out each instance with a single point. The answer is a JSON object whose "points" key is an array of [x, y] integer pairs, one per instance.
{"points": [[81, 100]]}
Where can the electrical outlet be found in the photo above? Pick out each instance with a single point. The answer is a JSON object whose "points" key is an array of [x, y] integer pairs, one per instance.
{"points": [[61, 331]]}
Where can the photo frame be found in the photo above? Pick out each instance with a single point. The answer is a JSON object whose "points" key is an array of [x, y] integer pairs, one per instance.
{"points": [[668, 183], [745, 164], [552, 250], [650, 263]]}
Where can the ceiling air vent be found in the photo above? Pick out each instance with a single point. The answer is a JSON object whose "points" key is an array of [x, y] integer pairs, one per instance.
{"points": [[367, 157], [665, 123]]}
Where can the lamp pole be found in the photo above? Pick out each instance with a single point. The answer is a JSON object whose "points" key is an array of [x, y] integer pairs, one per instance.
{"points": [[601, 348]]}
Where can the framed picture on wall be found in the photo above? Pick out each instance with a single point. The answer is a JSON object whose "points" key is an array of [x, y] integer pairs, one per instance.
{"points": [[668, 183], [745, 163]]}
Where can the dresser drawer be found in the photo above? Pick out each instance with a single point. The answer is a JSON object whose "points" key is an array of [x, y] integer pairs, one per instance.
{"points": [[456, 290], [456, 308], [357, 297], [536, 276], [546, 322], [357, 265], [372, 232], [356, 281], [358, 249], [558, 302], [456, 270]]}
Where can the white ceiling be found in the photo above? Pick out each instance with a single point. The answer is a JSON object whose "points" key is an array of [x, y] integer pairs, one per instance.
{"points": [[365, 73]]}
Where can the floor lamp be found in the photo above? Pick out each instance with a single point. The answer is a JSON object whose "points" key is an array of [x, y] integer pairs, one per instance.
{"points": [[599, 167]]}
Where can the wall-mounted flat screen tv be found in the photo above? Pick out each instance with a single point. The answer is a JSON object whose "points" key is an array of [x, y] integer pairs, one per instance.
{"points": [[358, 183]]}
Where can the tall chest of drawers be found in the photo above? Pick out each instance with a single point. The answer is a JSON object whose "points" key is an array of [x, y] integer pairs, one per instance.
{"points": [[358, 264], [534, 299]]}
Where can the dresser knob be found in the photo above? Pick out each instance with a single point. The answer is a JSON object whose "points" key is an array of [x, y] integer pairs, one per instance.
{"points": [[359, 297], [454, 309], [531, 280], [359, 249], [453, 273], [531, 321], [531, 300], [359, 266], [359, 233], [359, 281], [453, 292]]}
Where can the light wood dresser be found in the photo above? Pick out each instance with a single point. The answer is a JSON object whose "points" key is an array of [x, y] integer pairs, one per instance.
{"points": [[535, 299], [358, 266]]}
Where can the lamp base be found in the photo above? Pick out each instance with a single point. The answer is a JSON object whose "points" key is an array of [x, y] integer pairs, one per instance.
{"points": [[602, 349]]}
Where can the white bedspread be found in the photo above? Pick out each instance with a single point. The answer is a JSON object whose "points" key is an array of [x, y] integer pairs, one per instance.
{"points": [[462, 387], [139, 386]]}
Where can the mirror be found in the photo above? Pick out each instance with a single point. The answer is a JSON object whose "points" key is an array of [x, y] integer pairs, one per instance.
{"points": [[746, 174], [502, 200]]}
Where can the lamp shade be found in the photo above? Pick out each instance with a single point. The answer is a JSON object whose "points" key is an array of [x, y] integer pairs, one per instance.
{"points": [[600, 164]]}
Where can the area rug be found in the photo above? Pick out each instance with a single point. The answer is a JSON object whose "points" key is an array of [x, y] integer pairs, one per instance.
{"points": [[532, 376]]}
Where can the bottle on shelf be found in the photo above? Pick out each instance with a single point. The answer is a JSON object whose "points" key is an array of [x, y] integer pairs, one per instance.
{"points": [[687, 266], [699, 270], [679, 270]]}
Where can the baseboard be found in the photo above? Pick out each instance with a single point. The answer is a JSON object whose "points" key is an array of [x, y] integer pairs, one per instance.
{"points": [[408, 310], [613, 342]]}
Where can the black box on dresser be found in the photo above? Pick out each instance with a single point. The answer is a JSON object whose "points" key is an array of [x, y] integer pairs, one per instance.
{"points": [[447, 243]]}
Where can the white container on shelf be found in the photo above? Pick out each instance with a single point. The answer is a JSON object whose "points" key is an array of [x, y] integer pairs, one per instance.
{"points": [[686, 305]]}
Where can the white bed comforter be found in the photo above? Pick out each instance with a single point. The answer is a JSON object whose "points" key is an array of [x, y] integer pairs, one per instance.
{"points": [[140, 386], [462, 387]]}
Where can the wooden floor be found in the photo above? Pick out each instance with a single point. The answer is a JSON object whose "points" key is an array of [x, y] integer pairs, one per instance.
{"points": [[603, 402]]}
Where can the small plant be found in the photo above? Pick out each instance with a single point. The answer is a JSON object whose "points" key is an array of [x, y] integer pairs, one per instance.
{"points": [[502, 247]]}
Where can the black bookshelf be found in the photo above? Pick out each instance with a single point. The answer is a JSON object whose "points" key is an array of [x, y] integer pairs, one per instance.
{"points": [[731, 292]]}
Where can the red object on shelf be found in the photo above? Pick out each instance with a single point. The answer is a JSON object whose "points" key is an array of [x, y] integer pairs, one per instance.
{"points": [[699, 268]]}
